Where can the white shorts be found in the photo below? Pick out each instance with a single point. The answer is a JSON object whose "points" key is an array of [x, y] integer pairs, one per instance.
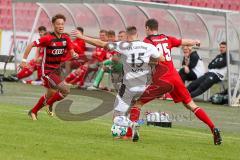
{"points": [[126, 96]]}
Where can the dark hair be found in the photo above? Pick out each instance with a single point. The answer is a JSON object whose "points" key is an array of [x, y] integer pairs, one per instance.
{"points": [[42, 28], [120, 32], [103, 31], [58, 16], [111, 33], [223, 43], [131, 30], [80, 29], [152, 24]]}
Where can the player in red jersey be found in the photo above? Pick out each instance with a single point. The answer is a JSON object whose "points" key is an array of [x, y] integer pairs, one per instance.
{"points": [[79, 47], [99, 55], [34, 64], [56, 44], [179, 92]]}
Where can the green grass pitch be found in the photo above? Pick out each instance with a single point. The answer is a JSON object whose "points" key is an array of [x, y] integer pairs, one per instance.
{"points": [[54, 139]]}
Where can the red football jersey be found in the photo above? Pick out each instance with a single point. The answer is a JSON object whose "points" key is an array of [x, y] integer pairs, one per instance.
{"points": [[99, 54], [55, 49], [79, 46], [41, 52], [164, 44]]}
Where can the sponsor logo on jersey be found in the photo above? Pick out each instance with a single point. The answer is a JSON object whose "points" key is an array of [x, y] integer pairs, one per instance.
{"points": [[37, 41], [64, 43], [57, 51], [136, 70]]}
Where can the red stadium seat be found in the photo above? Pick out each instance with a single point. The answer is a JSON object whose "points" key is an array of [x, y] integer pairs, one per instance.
{"points": [[234, 5], [183, 2], [226, 5], [218, 4], [194, 3], [210, 3], [202, 3]]}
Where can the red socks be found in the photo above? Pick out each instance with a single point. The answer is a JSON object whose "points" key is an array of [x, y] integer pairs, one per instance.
{"points": [[25, 72], [39, 104], [78, 76], [39, 72], [56, 97], [201, 114], [70, 77], [134, 116]]}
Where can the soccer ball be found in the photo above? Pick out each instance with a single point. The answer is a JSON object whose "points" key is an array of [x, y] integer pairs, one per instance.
{"points": [[118, 131]]}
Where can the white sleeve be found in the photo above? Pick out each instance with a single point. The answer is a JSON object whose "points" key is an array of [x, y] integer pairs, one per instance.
{"points": [[114, 46], [154, 52]]}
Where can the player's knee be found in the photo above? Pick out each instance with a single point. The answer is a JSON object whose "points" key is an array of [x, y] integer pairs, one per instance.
{"points": [[65, 91], [191, 105], [118, 113]]}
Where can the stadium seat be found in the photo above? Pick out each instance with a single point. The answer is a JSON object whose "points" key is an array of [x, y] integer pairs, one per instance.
{"points": [[194, 3], [183, 2], [202, 4], [210, 3], [234, 5], [218, 4], [226, 5]]}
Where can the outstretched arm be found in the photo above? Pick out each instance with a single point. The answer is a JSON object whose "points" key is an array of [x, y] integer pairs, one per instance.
{"points": [[26, 53], [190, 42], [92, 41]]}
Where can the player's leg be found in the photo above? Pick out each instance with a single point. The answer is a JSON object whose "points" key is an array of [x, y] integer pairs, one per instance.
{"points": [[208, 82], [25, 72], [39, 72], [99, 77], [181, 94], [155, 91], [41, 102], [62, 91], [121, 107], [79, 75], [68, 67], [55, 82], [202, 115]]}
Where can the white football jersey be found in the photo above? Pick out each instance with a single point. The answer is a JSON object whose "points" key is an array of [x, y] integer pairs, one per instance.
{"points": [[135, 57]]}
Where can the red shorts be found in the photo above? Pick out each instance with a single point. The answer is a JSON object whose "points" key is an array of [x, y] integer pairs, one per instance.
{"points": [[76, 64], [179, 92], [52, 80]]}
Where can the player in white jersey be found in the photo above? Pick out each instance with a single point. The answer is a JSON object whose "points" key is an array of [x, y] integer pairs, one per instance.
{"points": [[136, 57]]}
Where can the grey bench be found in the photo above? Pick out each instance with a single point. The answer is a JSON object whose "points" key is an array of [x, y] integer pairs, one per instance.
{"points": [[5, 59]]}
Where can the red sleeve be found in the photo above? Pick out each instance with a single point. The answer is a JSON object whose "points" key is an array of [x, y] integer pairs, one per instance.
{"points": [[79, 46], [147, 41], [42, 42], [175, 42], [69, 43]]}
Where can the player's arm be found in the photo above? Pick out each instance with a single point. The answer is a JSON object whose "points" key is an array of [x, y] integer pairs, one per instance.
{"points": [[190, 42], [92, 41], [70, 49], [73, 54], [42, 42], [25, 55], [155, 55], [37, 53]]}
